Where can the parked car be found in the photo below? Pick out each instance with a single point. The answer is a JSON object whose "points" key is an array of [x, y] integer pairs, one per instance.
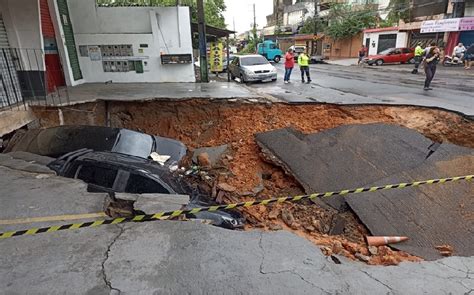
{"points": [[269, 49], [251, 68], [57, 141], [297, 50], [392, 55], [120, 173]]}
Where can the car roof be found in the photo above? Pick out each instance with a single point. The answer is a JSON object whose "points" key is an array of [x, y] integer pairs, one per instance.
{"points": [[250, 55]]}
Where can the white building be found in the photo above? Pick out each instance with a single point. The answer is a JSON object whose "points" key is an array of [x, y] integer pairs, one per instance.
{"points": [[69, 42], [380, 39], [294, 15]]}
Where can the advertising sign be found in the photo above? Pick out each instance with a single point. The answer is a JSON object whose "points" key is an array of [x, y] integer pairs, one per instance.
{"points": [[216, 57], [466, 24], [442, 25]]}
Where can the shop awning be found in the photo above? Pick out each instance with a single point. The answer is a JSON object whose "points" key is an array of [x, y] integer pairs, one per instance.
{"points": [[212, 31]]}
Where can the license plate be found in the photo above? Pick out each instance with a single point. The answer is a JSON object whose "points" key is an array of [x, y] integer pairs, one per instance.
{"points": [[266, 80]]}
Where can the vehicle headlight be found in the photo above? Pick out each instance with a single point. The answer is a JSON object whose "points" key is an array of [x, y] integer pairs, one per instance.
{"points": [[274, 70], [248, 72]]}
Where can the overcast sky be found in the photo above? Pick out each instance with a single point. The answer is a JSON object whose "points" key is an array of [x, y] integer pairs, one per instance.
{"points": [[242, 12]]}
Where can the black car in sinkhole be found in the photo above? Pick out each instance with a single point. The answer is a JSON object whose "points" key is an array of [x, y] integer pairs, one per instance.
{"points": [[116, 160]]}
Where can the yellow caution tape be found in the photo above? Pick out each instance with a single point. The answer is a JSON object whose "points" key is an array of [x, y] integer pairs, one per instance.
{"points": [[164, 215]]}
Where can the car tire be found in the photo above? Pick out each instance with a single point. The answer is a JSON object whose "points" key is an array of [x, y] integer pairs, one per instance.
{"points": [[379, 62], [242, 80], [277, 59], [273, 80], [411, 60]]}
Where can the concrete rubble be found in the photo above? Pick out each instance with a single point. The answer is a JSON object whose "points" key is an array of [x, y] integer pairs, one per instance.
{"points": [[354, 156]]}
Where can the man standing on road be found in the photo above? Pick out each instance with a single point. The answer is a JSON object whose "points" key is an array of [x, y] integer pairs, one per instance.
{"points": [[431, 60], [303, 62], [418, 57], [289, 64], [469, 57]]}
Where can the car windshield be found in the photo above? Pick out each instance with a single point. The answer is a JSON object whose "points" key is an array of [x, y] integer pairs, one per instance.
{"points": [[253, 61], [134, 143], [387, 51]]}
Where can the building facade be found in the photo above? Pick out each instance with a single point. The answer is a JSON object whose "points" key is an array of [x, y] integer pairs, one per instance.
{"points": [[46, 44]]}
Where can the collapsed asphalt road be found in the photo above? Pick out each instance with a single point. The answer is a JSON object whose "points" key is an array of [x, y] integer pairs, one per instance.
{"points": [[354, 85], [151, 258]]}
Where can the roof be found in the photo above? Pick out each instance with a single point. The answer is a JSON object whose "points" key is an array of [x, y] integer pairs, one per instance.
{"points": [[377, 30], [213, 31]]}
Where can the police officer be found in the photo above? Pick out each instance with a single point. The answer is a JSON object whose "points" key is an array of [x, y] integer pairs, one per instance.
{"points": [[303, 62], [419, 52]]}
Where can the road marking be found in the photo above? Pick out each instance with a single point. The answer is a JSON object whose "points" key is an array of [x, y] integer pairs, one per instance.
{"points": [[52, 218], [165, 215]]}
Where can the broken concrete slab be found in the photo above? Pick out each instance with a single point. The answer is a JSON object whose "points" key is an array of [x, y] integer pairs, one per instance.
{"points": [[26, 162], [430, 215], [215, 153], [24, 195], [154, 203], [345, 157]]}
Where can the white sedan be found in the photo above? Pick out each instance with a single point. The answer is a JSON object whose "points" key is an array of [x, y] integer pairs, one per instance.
{"points": [[250, 68]]}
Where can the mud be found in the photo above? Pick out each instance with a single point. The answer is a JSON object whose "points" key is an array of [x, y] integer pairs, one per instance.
{"points": [[200, 123]]}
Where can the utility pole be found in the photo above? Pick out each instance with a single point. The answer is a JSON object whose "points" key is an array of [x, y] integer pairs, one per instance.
{"points": [[202, 42], [233, 20], [255, 28]]}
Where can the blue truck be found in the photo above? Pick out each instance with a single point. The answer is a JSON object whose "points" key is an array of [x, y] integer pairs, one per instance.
{"points": [[270, 50]]}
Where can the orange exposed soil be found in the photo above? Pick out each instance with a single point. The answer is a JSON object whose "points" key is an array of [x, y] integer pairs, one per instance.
{"points": [[200, 123]]}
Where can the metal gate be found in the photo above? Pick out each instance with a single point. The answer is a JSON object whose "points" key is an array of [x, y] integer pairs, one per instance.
{"points": [[10, 91], [386, 41], [69, 37]]}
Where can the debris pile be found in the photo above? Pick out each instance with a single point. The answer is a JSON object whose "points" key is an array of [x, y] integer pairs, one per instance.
{"points": [[241, 173]]}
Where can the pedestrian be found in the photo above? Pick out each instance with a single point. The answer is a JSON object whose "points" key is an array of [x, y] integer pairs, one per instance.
{"points": [[418, 57], [469, 57], [362, 54], [289, 64], [431, 60], [303, 62]]}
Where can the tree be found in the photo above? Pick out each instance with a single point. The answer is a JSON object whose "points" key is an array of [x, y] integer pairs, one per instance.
{"points": [[213, 13], [344, 22], [309, 25], [398, 10]]}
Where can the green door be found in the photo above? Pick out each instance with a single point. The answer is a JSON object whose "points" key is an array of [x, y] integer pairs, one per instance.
{"points": [[69, 36]]}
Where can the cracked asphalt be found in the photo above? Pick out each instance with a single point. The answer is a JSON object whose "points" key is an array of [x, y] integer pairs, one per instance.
{"points": [[393, 85], [172, 257]]}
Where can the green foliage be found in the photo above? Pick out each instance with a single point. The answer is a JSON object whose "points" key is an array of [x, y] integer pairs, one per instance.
{"points": [[345, 22], [398, 9], [309, 26], [213, 9]]}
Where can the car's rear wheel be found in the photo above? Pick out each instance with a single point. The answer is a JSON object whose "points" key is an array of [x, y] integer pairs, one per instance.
{"points": [[379, 62], [277, 59]]}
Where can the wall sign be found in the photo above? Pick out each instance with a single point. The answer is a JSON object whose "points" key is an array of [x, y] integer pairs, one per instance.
{"points": [[176, 59], [466, 24], [442, 25], [216, 55]]}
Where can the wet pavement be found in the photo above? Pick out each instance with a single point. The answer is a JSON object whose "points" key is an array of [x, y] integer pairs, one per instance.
{"points": [[369, 85], [147, 91]]}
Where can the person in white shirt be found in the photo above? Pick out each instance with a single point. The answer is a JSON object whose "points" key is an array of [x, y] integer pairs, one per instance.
{"points": [[459, 50]]}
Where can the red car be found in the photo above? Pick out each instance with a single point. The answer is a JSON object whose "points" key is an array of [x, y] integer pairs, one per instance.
{"points": [[392, 55]]}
